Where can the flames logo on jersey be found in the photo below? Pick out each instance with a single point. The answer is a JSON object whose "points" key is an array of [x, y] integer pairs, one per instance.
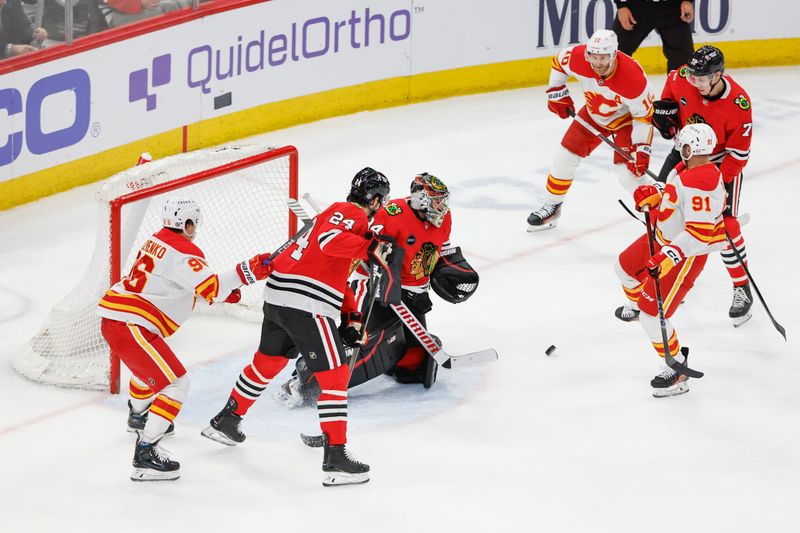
{"points": [[695, 119], [742, 102], [424, 260], [595, 102], [393, 209]]}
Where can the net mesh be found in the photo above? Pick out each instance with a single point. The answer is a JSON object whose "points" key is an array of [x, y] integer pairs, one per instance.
{"points": [[244, 213]]}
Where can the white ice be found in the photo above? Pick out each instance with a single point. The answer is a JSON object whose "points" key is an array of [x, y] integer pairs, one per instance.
{"points": [[570, 442]]}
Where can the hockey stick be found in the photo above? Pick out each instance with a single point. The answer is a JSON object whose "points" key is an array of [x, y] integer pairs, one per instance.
{"points": [[671, 362], [430, 344], [743, 219], [780, 328]]}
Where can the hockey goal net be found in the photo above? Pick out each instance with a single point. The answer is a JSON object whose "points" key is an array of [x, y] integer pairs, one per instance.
{"points": [[242, 192]]}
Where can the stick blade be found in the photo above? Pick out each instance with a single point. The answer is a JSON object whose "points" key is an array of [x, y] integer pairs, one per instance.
{"points": [[471, 359]]}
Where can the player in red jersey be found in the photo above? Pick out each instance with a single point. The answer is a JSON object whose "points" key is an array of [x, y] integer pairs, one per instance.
{"points": [[688, 226], [618, 103], [700, 92], [150, 304], [420, 224], [305, 294]]}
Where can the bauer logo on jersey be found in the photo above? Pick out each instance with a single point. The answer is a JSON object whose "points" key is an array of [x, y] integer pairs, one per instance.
{"points": [[742, 102], [393, 209], [695, 119]]}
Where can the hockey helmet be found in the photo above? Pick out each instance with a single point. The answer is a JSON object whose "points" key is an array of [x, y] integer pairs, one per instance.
{"points": [[699, 138], [706, 61], [369, 183], [429, 196], [603, 42], [177, 211]]}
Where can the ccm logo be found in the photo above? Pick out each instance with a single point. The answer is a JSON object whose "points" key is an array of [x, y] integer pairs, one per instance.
{"points": [[38, 140]]}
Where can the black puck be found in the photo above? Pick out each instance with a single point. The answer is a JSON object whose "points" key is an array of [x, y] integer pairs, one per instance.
{"points": [[550, 350]]}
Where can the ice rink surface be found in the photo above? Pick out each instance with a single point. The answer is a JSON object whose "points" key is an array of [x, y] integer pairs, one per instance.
{"points": [[570, 442]]}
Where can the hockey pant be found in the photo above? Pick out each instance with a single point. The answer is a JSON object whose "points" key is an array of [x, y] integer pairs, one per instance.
{"points": [[639, 287], [158, 382], [578, 143]]}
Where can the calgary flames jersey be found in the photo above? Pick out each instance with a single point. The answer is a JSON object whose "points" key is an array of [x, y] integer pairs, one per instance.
{"points": [[160, 290], [625, 97], [690, 214], [422, 241], [312, 274], [730, 116]]}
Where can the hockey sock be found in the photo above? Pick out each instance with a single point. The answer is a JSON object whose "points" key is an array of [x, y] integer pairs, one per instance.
{"points": [[735, 269], [254, 379], [560, 176], [141, 395], [652, 326], [332, 403], [165, 407], [412, 359]]}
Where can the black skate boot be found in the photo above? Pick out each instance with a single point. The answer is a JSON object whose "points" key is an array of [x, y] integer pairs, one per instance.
{"points": [[136, 421], [341, 468], [224, 427], [152, 463], [669, 383], [742, 302], [628, 312], [545, 217]]}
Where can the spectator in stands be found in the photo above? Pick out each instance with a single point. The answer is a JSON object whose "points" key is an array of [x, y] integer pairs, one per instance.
{"points": [[16, 30], [119, 12], [670, 18]]}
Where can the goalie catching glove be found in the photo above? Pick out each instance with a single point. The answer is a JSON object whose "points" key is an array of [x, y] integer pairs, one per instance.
{"points": [[453, 279]]}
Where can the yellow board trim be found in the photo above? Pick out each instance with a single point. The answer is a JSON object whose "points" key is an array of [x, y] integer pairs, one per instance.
{"points": [[368, 96]]}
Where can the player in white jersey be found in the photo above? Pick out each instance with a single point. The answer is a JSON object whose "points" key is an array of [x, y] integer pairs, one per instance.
{"points": [[150, 304], [619, 103], [688, 225]]}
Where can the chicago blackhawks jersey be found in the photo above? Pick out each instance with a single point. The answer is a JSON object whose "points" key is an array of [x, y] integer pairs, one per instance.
{"points": [[422, 241], [160, 290], [729, 114], [625, 97], [312, 274], [690, 214]]}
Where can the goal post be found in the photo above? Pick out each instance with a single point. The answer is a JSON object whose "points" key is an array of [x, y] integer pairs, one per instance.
{"points": [[242, 192]]}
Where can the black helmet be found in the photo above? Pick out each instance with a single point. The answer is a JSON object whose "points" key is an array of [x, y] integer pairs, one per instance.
{"points": [[706, 61], [367, 184]]}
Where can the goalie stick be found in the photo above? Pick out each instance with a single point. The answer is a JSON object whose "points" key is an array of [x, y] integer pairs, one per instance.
{"points": [[431, 345]]}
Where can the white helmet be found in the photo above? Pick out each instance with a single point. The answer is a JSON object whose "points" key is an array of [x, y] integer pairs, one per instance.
{"points": [[700, 138], [178, 210], [603, 42]]}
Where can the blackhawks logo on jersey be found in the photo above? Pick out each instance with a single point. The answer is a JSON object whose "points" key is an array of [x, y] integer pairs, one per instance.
{"points": [[695, 119], [424, 260], [742, 102], [683, 71], [393, 209]]}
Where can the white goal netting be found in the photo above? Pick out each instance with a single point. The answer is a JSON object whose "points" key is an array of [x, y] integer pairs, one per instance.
{"points": [[244, 213]]}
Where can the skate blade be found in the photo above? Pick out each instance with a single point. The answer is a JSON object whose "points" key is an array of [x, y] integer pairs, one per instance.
{"points": [[675, 390], [148, 474], [170, 432], [334, 479], [217, 436], [548, 225], [742, 319]]}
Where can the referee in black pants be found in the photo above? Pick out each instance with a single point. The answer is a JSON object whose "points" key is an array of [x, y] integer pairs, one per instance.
{"points": [[670, 18]]}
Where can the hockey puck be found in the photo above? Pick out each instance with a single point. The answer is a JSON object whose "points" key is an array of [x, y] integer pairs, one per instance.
{"points": [[550, 350]]}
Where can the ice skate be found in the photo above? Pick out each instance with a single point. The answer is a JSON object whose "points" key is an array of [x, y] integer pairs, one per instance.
{"points": [[669, 383], [628, 312], [153, 463], [136, 421], [290, 394], [545, 217], [740, 308], [339, 467], [224, 428]]}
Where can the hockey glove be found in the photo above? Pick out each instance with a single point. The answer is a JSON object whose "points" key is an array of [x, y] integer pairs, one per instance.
{"points": [[350, 329], [660, 264], [647, 196], [254, 269], [665, 118], [234, 297], [380, 248], [559, 101], [640, 159]]}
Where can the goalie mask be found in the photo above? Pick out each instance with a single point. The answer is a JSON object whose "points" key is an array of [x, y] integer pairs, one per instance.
{"points": [[177, 211], [453, 279], [430, 198]]}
